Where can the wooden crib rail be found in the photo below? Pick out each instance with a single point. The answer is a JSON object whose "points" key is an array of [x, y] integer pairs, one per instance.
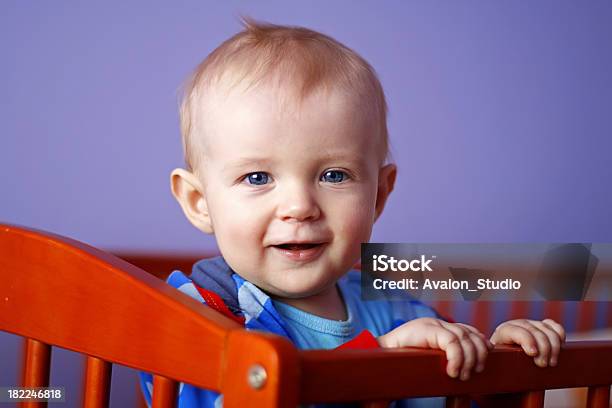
{"points": [[395, 374], [58, 291]]}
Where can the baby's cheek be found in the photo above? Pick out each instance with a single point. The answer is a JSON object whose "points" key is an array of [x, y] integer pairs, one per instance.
{"points": [[241, 249], [357, 226], [240, 229], [361, 216], [236, 229]]}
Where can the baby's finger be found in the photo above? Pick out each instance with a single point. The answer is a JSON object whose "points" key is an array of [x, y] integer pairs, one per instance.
{"points": [[543, 343], [454, 355], [482, 344], [482, 350], [450, 343], [554, 340], [475, 331], [468, 348], [510, 333], [556, 327]]}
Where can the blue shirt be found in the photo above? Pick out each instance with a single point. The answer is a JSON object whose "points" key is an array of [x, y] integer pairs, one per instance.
{"points": [[303, 329], [309, 331]]}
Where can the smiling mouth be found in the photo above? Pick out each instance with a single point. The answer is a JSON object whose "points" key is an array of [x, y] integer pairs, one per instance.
{"points": [[296, 247], [301, 253]]}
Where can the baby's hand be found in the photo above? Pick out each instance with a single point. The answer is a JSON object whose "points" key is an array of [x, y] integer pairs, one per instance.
{"points": [[540, 339], [466, 348]]}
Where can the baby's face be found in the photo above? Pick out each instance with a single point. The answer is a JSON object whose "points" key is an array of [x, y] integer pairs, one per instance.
{"points": [[290, 193]]}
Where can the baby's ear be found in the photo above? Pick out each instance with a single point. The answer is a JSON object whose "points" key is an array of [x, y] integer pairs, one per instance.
{"points": [[386, 181], [189, 193]]}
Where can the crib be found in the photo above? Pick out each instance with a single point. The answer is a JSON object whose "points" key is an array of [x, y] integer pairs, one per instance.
{"points": [[55, 291]]}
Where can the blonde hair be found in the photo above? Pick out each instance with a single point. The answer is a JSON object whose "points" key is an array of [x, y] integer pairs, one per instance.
{"points": [[305, 58]]}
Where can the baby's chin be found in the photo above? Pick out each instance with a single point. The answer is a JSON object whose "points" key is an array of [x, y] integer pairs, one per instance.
{"points": [[300, 292], [310, 281], [295, 290]]}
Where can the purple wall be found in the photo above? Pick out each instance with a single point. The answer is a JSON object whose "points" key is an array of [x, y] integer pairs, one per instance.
{"points": [[501, 115]]}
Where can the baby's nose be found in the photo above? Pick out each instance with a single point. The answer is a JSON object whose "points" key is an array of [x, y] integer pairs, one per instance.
{"points": [[298, 204]]}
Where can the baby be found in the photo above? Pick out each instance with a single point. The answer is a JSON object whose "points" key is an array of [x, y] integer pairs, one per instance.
{"points": [[285, 139]]}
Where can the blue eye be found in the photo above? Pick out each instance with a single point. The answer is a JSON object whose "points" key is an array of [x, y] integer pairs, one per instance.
{"points": [[334, 176], [258, 178]]}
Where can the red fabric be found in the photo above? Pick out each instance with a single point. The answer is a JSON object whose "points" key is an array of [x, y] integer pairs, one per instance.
{"points": [[364, 340], [214, 301], [448, 319]]}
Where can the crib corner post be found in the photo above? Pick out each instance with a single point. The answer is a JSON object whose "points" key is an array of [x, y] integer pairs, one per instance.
{"points": [[259, 370]]}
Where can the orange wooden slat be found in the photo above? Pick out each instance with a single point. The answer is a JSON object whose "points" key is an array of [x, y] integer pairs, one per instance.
{"points": [[533, 399], [97, 383], [165, 392], [445, 308], [587, 311], [458, 402], [529, 399], [519, 309], [36, 366], [554, 310], [481, 316], [37, 362], [141, 401], [598, 397]]}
